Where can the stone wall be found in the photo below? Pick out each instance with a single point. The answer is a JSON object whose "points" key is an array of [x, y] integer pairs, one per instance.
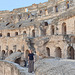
{"points": [[40, 21], [9, 68]]}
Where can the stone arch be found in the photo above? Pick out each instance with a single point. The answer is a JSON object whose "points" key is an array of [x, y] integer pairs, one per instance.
{"points": [[18, 60], [46, 23], [33, 33], [24, 32], [58, 52], [27, 52], [8, 34], [16, 33], [10, 52], [0, 34], [52, 30], [70, 52], [19, 50], [44, 27], [64, 28], [19, 16], [46, 12], [3, 54], [48, 51], [40, 11]]}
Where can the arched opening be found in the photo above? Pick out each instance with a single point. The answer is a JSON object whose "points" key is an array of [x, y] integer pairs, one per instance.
{"points": [[19, 50], [20, 16], [43, 28], [33, 33], [0, 34], [3, 54], [16, 33], [64, 28], [8, 34], [46, 23], [20, 25], [24, 32], [48, 51], [58, 52], [18, 60], [27, 52], [40, 11], [10, 52], [52, 30], [70, 52], [46, 11]]}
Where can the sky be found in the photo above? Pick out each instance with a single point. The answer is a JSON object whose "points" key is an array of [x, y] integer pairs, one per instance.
{"points": [[12, 4]]}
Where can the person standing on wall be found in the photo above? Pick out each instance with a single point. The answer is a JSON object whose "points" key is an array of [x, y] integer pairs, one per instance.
{"points": [[30, 62]]}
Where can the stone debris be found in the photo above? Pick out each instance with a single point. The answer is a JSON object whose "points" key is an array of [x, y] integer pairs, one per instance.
{"points": [[14, 56], [55, 67]]}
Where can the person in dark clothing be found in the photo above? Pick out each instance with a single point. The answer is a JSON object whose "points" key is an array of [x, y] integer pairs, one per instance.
{"points": [[30, 62], [25, 63]]}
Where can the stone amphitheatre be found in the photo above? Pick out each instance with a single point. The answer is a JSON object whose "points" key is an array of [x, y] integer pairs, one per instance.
{"points": [[48, 29]]}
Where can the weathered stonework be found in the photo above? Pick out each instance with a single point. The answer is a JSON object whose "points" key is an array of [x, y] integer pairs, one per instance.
{"points": [[46, 28], [9, 68], [55, 67]]}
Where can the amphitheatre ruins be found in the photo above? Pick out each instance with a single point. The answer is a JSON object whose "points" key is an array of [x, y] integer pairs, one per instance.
{"points": [[48, 29]]}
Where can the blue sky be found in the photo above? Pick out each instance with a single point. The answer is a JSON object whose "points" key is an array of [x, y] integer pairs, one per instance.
{"points": [[12, 4]]}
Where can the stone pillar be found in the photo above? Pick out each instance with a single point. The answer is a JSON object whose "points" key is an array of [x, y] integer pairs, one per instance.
{"points": [[36, 32], [74, 50], [39, 32], [48, 31]]}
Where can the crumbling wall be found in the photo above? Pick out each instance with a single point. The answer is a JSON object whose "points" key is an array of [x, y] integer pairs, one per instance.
{"points": [[8, 68]]}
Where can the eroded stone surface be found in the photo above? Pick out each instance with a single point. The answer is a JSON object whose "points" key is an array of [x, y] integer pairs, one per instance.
{"points": [[10, 68], [47, 28], [55, 67]]}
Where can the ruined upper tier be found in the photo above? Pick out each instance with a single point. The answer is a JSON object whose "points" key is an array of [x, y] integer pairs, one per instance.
{"points": [[25, 16]]}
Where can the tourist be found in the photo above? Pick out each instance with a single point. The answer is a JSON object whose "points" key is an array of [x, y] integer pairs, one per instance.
{"points": [[30, 62]]}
